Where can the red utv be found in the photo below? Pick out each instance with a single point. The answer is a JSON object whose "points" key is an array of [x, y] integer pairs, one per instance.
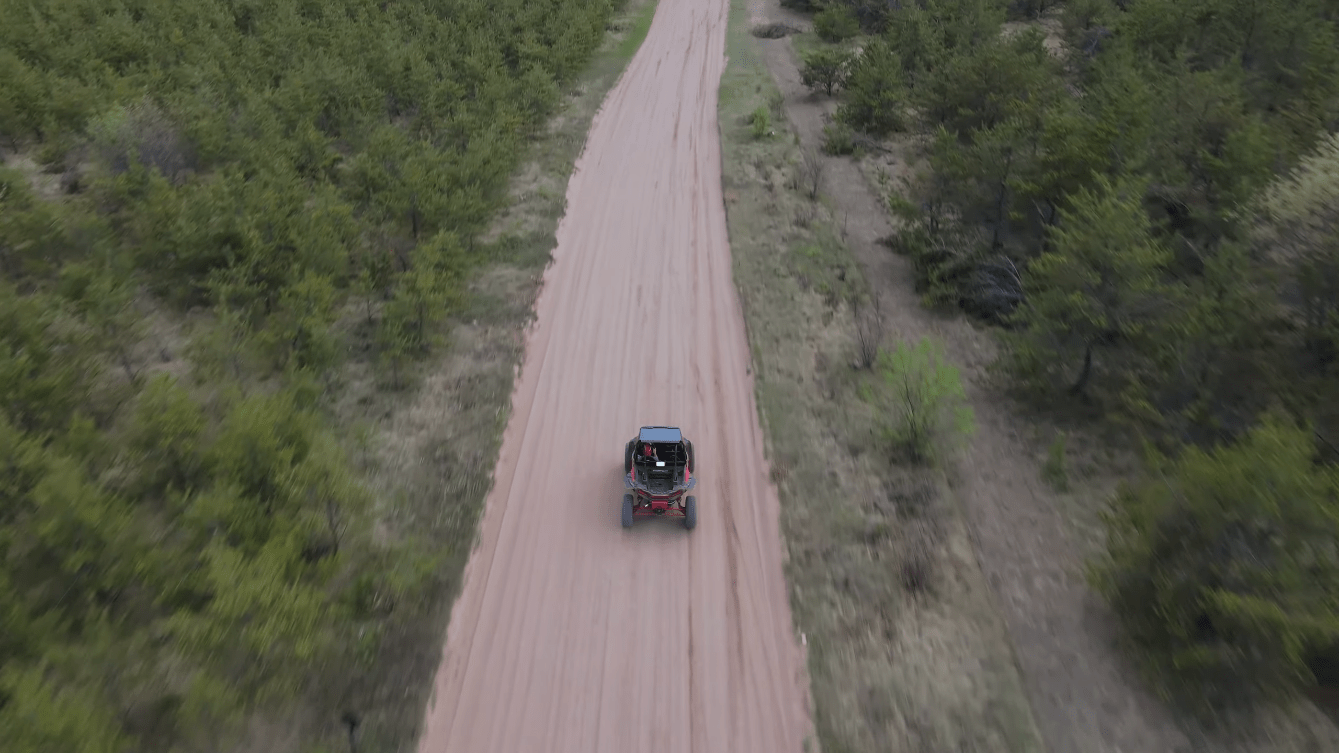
{"points": [[659, 470]]}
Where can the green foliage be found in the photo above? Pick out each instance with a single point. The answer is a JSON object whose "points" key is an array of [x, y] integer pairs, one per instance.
{"points": [[180, 551], [1297, 223], [1100, 285], [836, 23], [924, 409], [38, 715], [1172, 274], [166, 440], [761, 120], [45, 361], [838, 139], [825, 69], [927, 35], [421, 297], [1222, 568], [986, 84], [875, 95], [1053, 470], [1030, 9], [298, 334]]}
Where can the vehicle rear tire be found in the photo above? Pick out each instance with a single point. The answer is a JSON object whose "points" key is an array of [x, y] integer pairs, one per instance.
{"points": [[690, 513], [627, 458], [627, 511], [689, 446]]}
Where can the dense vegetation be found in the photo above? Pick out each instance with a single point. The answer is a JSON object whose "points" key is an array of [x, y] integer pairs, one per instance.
{"points": [[305, 179], [1148, 204]]}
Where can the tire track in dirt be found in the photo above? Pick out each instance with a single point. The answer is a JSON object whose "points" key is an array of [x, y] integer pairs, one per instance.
{"points": [[570, 633]]}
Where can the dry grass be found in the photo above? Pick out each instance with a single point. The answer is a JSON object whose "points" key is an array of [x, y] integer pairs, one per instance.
{"points": [[906, 652]]}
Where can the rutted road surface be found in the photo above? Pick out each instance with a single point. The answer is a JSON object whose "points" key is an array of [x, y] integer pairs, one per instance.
{"points": [[571, 633]]}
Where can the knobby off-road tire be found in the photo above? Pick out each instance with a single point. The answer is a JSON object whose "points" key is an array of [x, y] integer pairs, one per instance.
{"points": [[689, 446], [690, 513], [627, 458], [627, 511]]}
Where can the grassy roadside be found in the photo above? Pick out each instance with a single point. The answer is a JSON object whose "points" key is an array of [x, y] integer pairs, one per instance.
{"points": [[1081, 473], [429, 453], [906, 651]]}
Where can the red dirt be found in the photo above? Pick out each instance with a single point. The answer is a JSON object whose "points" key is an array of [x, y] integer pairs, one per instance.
{"points": [[571, 633]]}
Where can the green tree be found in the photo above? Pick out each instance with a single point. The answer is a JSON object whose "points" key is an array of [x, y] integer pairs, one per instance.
{"points": [[875, 97], [836, 23], [825, 69], [1099, 287], [166, 439], [35, 236], [298, 333], [984, 85], [1222, 567], [263, 629], [1212, 151], [45, 362], [1217, 364], [104, 296], [41, 715], [928, 35], [1296, 224], [422, 297]]}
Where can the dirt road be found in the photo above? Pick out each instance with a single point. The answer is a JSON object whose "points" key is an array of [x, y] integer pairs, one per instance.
{"points": [[571, 633]]}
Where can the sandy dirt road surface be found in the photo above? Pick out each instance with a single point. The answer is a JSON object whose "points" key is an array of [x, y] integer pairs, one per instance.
{"points": [[572, 633]]}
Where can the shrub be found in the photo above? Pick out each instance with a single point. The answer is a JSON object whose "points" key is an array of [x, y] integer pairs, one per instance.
{"points": [[1054, 468], [1223, 568], [761, 120], [924, 406], [838, 139], [836, 23]]}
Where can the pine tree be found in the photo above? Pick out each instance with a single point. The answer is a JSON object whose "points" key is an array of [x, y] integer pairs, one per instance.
{"points": [[874, 99], [1099, 287]]}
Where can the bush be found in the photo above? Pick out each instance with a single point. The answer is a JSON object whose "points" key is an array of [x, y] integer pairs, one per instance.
{"points": [[924, 407], [1223, 568], [836, 23], [825, 69], [761, 120], [838, 139], [1053, 470]]}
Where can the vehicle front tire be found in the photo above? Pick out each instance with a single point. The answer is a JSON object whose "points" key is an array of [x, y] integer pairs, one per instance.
{"points": [[690, 513], [627, 458], [689, 447], [627, 511]]}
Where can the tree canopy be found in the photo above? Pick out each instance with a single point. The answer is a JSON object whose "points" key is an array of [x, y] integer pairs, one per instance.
{"points": [[182, 544]]}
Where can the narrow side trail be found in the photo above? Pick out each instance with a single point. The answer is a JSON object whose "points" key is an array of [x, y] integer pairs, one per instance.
{"points": [[571, 633]]}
